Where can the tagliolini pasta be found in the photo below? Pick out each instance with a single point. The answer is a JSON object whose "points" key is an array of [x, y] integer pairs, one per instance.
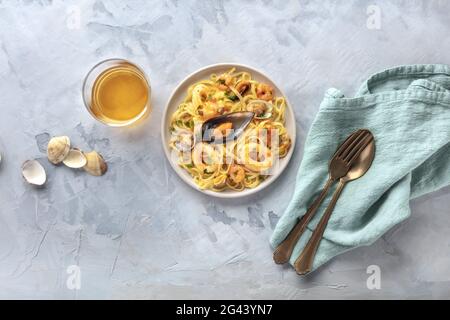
{"points": [[245, 162]]}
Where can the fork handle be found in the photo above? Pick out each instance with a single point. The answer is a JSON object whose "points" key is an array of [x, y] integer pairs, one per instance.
{"points": [[304, 262], [284, 250]]}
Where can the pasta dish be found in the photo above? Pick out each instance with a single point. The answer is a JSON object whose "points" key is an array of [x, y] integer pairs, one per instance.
{"points": [[243, 162]]}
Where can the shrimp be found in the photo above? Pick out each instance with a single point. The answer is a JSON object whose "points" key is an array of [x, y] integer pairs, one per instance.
{"points": [[236, 173], [264, 92], [224, 81], [206, 114], [208, 110]]}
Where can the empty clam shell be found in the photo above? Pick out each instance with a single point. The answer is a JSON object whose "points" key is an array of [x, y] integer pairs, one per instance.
{"points": [[33, 172], [75, 159], [95, 165], [57, 149]]}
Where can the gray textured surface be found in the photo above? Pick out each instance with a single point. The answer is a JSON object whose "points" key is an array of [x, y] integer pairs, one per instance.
{"points": [[139, 232]]}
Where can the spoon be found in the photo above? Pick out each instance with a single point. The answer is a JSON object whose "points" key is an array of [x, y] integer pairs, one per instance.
{"points": [[339, 165], [226, 127], [304, 262]]}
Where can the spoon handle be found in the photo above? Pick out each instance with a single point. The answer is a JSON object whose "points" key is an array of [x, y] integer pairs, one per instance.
{"points": [[304, 262], [284, 251]]}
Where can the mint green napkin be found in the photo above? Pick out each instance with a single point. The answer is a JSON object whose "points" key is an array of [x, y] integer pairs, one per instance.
{"points": [[408, 110]]}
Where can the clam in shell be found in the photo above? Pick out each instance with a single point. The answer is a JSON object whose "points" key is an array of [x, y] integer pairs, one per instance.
{"points": [[57, 149], [33, 172], [95, 165], [75, 159]]}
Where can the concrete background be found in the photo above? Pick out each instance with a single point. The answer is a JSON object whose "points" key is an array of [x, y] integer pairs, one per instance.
{"points": [[139, 231]]}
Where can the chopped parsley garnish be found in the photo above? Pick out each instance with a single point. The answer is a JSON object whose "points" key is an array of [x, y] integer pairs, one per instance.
{"points": [[230, 95]]}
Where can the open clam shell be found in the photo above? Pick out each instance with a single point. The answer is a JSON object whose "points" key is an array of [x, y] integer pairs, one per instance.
{"points": [[33, 172], [262, 109], [75, 159]]}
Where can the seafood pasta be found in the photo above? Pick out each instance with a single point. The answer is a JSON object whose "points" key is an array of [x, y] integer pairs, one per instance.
{"points": [[241, 163]]}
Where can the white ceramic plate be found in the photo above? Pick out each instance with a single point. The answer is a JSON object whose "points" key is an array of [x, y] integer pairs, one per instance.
{"points": [[178, 96]]}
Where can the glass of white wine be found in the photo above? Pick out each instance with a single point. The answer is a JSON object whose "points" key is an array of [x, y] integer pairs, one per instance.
{"points": [[117, 92]]}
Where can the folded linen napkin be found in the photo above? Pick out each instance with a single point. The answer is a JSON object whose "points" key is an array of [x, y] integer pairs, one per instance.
{"points": [[407, 108]]}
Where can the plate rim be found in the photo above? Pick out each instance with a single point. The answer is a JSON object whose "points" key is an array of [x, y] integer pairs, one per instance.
{"points": [[188, 180]]}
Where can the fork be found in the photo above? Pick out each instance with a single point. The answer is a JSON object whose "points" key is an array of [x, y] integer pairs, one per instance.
{"points": [[339, 166]]}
